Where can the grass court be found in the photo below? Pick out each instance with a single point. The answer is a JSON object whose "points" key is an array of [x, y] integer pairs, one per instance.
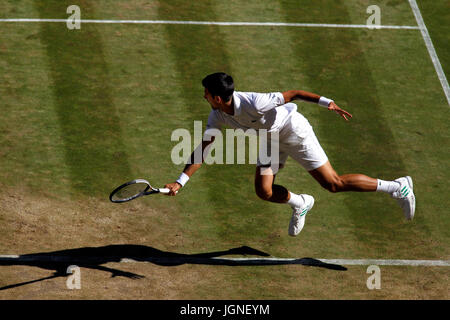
{"points": [[83, 111]]}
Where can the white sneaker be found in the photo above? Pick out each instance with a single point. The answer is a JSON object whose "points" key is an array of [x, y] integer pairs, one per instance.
{"points": [[405, 197], [299, 214]]}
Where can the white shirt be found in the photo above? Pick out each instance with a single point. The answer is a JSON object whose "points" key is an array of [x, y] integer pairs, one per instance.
{"points": [[254, 111]]}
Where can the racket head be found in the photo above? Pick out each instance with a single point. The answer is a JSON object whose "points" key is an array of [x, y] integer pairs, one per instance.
{"points": [[131, 190]]}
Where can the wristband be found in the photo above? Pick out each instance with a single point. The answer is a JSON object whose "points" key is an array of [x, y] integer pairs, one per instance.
{"points": [[324, 102], [183, 179]]}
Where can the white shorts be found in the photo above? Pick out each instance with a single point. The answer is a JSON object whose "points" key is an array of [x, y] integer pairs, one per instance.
{"points": [[297, 140]]}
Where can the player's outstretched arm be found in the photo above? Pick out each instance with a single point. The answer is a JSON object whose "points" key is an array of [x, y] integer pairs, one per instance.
{"points": [[190, 168], [315, 98], [292, 95]]}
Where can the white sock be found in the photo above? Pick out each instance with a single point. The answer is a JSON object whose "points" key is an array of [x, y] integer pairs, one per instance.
{"points": [[387, 186], [295, 200]]}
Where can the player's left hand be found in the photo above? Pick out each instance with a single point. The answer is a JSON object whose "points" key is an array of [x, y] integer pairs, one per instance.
{"points": [[344, 114]]}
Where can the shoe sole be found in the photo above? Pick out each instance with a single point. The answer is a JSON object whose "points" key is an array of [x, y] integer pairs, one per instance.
{"points": [[312, 204], [413, 204]]}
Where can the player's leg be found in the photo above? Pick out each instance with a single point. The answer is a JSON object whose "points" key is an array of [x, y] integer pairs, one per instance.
{"points": [[330, 180], [265, 177], [312, 157], [265, 187], [310, 154], [400, 189], [267, 190]]}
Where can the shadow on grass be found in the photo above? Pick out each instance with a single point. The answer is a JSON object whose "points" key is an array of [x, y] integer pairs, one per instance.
{"points": [[95, 257]]}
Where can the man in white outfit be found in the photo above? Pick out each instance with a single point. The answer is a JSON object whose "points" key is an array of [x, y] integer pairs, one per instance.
{"points": [[274, 113]]}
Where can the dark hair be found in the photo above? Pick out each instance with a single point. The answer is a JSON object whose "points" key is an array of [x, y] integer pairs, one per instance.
{"points": [[219, 84]]}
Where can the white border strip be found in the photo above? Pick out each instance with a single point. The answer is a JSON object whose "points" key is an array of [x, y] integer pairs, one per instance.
{"points": [[359, 262], [430, 47], [364, 262], [214, 23]]}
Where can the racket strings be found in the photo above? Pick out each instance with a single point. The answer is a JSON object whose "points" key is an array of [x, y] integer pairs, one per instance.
{"points": [[130, 191]]}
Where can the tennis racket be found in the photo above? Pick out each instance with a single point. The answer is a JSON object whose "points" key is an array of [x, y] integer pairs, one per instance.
{"points": [[134, 189]]}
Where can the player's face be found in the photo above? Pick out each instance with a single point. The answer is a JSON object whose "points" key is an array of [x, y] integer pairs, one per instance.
{"points": [[210, 99]]}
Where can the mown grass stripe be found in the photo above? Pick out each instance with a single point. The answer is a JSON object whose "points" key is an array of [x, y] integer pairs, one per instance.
{"points": [[89, 121], [198, 51]]}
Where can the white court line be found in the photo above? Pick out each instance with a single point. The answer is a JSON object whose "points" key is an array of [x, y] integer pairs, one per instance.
{"points": [[193, 259], [216, 23], [360, 262], [364, 262], [430, 47]]}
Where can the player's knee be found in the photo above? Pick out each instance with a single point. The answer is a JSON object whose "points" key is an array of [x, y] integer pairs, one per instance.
{"points": [[264, 194], [333, 185]]}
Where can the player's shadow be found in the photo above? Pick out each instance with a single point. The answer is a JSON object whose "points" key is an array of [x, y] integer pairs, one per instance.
{"points": [[95, 257]]}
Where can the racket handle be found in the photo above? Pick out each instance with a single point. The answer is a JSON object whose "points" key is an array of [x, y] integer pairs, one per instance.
{"points": [[164, 190]]}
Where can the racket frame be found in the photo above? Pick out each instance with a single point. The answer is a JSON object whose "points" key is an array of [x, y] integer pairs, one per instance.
{"points": [[147, 191]]}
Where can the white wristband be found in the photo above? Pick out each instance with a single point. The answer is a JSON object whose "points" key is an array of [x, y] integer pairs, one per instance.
{"points": [[324, 102], [183, 179]]}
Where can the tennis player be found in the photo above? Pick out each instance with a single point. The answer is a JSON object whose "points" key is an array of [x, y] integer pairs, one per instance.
{"points": [[275, 112]]}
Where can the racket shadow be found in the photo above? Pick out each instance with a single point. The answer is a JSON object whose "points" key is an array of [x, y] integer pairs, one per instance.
{"points": [[96, 257]]}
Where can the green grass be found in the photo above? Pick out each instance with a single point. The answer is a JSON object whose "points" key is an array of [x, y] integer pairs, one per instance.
{"points": [[436, 15], [85, 110]]}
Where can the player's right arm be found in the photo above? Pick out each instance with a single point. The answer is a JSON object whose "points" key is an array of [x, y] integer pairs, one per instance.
{"points": [[314, 98], [191, 167]]}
